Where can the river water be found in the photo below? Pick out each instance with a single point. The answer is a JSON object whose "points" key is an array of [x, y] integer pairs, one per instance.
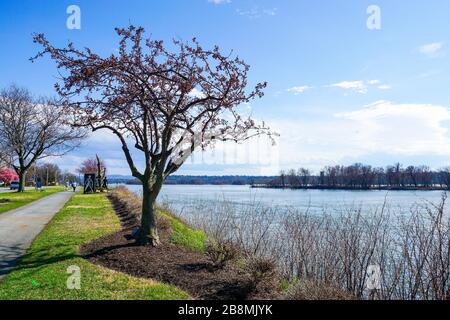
{"points": [[182, 197]]}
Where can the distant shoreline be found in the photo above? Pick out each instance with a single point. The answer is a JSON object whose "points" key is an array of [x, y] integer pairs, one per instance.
{"points": [[377, 188]]}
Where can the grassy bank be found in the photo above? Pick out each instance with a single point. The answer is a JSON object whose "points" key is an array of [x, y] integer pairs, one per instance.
{"points": [[183, 235], [13, 200], [42, 274], [189, 258]]}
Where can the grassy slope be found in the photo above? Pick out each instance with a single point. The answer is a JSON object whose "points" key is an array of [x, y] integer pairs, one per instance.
{"points": [[42, 273], [20, 199], [183, 235]]}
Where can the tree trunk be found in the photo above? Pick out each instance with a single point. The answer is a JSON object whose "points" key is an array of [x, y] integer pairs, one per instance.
{"points": [[22, 174], [148, 233]]}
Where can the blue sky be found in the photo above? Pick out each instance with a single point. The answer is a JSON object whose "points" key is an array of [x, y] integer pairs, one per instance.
{"points": [[338, 92]]}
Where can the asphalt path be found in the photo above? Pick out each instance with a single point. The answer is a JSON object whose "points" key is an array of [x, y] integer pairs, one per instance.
{"points": [[20, 226]]}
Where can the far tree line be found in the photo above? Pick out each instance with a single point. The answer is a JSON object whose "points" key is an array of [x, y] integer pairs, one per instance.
{"points": [[361, 176], [210, 180]]}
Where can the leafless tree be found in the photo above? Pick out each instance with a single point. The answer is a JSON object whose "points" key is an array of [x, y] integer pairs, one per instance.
{"points": [[304, 175], [32, 129], [166, 102], [292, 178], [363, 177], [444, 177], [50, 173], [283, 178]]}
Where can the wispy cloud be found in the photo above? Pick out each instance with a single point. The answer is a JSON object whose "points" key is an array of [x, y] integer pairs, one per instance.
{"points": [[384, 128], [431, 49], [401, 129], [429, 74], [256, 12], [270, 12], [219, 1], [360, 86], [299, 89]]}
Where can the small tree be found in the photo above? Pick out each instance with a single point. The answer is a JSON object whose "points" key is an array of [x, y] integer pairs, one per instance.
{"points": [[8, 175], [167, 103], [91, 165], [32, 129]]}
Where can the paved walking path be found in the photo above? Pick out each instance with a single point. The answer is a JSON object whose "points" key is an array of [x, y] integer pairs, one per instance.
{"points": [[20, 226]]}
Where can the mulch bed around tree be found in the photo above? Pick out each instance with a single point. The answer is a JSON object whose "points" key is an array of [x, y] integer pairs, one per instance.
{"points": [[169, 263]]}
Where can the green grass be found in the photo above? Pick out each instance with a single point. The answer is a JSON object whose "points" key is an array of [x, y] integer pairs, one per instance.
{"points": [[183, 235], [13, 200], [42, 274]]}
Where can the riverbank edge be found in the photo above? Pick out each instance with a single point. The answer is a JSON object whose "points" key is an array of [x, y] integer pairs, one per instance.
{"points": [[350, 188]]}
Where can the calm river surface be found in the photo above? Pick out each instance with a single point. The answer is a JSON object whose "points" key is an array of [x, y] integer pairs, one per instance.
{"points": [[183, 197]]}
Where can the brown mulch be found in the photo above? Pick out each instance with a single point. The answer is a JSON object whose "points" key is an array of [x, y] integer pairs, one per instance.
{"points": [[169, 263]]}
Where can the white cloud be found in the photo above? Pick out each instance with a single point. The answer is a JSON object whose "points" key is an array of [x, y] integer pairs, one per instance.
{"points": [[400, 129], [432, 49], [219, 1], [358, 86], [373, 82], [299, 90], [385, 129]]}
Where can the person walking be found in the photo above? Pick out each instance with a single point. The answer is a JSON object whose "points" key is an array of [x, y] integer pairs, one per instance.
{"points": [[38, 184], [74, 186]]}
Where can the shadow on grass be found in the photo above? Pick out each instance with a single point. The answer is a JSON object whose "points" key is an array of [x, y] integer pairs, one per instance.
{"points": [[12, 258], [9, 257]]}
